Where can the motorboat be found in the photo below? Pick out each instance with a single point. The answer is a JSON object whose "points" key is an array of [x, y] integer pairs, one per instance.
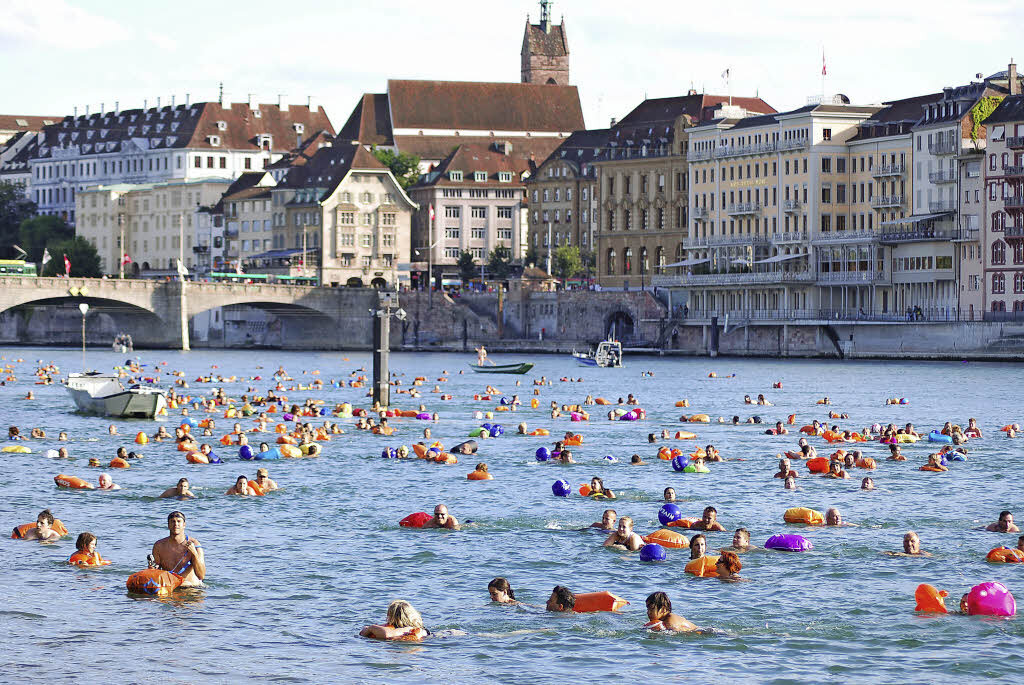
{"points": [[503, 368], [104, 394], [607, 355]]}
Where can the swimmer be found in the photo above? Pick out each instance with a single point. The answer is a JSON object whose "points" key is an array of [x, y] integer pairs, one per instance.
{"points": [[106, 483], [624, 536], [442, 519], [562, 600], [263, 480], [501, 591], [728, 566], [911, 547], [565, 457], [112, 429], [670, 495], [661, 618], [698, 546], [1005, 524], [180, 554], [43, 531], [784, 469], [780, 429], [179, 491], [521, 429], [403, 623], [895, 454], [597, 489], [789, 483], [741, 541], [636, 460], [867, 484], [709, 521], [85, 551], [62, 436], [62, 453], [94, 462], [241, 487], [834, 518], [934, 464], [835, 470], [607, 521]]}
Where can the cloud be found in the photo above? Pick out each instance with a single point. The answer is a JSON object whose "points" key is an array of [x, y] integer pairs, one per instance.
{"points": [[55, 23]]}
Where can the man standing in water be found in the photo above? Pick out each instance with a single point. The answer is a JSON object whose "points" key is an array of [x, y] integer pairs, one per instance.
{"points": [[180, 554]]}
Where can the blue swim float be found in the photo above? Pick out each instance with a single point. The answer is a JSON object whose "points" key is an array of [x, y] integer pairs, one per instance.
{"points": [[936, 436], [543, 454], [561, 488], [668, 513], [652, 552]]}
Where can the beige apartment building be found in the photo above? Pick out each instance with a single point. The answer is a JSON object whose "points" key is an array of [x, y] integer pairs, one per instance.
{"points": [[1003, 232], [154, 219], [643, 183], [476, 194], [248, 229]]}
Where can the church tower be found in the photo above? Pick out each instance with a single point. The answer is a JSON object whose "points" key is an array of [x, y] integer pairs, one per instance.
{"points": [[545, 54]]}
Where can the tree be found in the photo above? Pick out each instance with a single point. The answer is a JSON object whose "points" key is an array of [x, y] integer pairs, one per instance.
{"points": [[36, 233], [565, 262], [499, 262], [84, 260], [404, 166], [532, 256], [467, 266], [14, 209]]}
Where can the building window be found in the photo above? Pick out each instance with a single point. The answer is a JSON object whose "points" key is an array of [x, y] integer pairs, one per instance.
{"points": [[826, 165], [452, 252], [998, 283], [610, 262], [478, 212], [505, 176], [477, 233], [479, 176], [453, 212], [454, 175], [826, 134], [388, 219], [503, 212], [452, 233], [627, 261]]}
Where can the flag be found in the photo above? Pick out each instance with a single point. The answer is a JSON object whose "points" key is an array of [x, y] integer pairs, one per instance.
{"points": [[46, 256], [126, 259], [431, 213], [67, 266], [182, 271], [823, 70], [725, 74]]}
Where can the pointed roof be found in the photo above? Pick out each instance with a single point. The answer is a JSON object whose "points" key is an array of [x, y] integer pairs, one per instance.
{"points": [[329, 165], [550, 43]]}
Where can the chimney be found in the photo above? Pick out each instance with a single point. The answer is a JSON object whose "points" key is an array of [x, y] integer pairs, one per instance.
{"points": [[309, 102], [692, 91], [172, 101], [612, 124], [87, 110], [145, 103], [188, 100], [282, 102], [250, 96], [103, 108], [117, 106], [76, 115], [1011, 74], [158, 102]]}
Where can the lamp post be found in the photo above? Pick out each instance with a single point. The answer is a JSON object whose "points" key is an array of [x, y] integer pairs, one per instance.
{"points": [[120, 246], [84, 308], [382, 345]]}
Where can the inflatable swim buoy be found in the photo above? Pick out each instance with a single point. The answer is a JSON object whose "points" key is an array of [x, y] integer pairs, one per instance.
{"points": [[80, 558], [668, 513], [73, 482], [256, 488], [803, 515], [588, 602], [653, 552], [196, 458], [788, 542], [153, 582], [561, 488], [479, 475], [990, 599], [818, 465], [700, 418], [685, 522], [290, 451], [685, 435], [704, 567], [272, 453], [668, 538], [692, 468], [1005, 555], [19, 531], [416, 520], [119, 463], [936, 436], [929, 598], [16, 449], [141, 438]]}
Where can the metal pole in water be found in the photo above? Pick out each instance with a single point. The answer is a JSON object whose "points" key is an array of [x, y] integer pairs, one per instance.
{"points": [[381, 353]]}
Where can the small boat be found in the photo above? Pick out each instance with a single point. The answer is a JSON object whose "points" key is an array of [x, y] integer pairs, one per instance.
{"points": [[503, 368], [104, 394], [607, 355]]}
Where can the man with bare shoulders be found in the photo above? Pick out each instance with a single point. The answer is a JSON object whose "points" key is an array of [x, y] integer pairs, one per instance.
{"points": [[709, 521], [180, 554], [179, 491], [442, 519], [1005, 524]]}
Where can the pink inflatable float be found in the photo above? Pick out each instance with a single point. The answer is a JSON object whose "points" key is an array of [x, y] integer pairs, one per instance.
{"points": [[990, 599]]}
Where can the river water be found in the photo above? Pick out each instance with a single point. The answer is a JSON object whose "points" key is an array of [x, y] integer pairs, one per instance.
{"points": [[293, 576]]}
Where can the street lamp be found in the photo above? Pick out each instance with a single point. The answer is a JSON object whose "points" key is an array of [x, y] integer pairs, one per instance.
{"points": [[84, 308], [430, 270]]}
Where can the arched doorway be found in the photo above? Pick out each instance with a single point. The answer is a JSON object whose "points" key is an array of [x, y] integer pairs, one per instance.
{"points": [[619, 326], [354, 282], [378, 283]]}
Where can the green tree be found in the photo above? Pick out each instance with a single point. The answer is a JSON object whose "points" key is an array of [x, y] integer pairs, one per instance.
{"points": [[84, 260], [532, 256], [14, 209], [404, 166], [499, 262], [36, 233], [467, 267], [565, 262]]}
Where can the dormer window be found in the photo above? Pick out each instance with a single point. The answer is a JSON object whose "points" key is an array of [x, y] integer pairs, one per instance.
{"points": [[257, 114], [454, 175], [299, 128], [265, 141], [479, 176], [222, 126], [505, 176], [214, 140]]}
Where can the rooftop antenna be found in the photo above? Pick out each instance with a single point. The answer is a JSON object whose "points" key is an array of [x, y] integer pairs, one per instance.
{"points": [[220, 93]]}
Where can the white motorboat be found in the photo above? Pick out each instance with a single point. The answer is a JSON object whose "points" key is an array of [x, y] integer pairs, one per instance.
{"points": [[105, 395], [607, 355]]}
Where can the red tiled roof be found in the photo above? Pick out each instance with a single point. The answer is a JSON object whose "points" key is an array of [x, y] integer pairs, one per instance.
{"points": [[698, 106], [439, 147], [243, 127], [370, 121], [550, 44], [480, 106], [471, 158], [25, 122]]}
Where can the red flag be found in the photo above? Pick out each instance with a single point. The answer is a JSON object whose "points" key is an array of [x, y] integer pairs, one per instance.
{"points": [[67, 266], [126, 259], [823, 71], [431, 213]]}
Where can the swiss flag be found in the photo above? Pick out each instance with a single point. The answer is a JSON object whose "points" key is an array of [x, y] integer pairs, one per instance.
{"points": [[67, 266], [126, 259], [431, 213]]}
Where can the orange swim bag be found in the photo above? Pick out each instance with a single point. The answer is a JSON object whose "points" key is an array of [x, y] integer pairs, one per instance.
{"points": [[803, 515], [19, 531], [73, 482], [1005, 555], [668, 538], [86, 559], [153, 582], [479, 475], [704, 567], [587, 602]]}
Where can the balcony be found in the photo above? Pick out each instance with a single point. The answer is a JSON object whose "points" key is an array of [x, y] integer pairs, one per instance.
{"points": [[965, 235], [942, 206], [201, 249], [741, 208], [1015, 142], [831, 237], [887, 201], [941, 177], [851, 277], [741, 239], [700, 213], [1013, 233], [796, 144], [883, 170], [1014, 203], [790, 237], [916, 235], [1011, 170], [742, 150], [754, 278], [944, 147], [791, 206], [698, 155]]}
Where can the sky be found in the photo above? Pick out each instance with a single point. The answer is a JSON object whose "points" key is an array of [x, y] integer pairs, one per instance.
{"points": [[66, 53]]}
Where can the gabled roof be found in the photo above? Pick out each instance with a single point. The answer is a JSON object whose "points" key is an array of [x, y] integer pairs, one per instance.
{"points": [[328, 167], [478, 106], [25, 122], [551, 43], [305, 151], [370, 121], [896, 117], [472, 158], [1010, 109], [698, 106], [439, 147], [582, 147], [245, 182]]}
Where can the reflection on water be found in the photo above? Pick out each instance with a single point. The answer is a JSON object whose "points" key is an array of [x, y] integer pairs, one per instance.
{"points": [[293, 576]]}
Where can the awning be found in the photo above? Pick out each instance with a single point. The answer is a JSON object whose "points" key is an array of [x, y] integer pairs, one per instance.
{"points": [[686, 262], [779, 258], [915, 219], [278, 254]]}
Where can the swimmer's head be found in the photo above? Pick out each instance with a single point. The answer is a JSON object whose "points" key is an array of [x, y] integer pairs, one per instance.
{"points": [[608, 518], [698, 546], [741, 538], [658, 606], [84, 541], [867, 484], [670, 494]]}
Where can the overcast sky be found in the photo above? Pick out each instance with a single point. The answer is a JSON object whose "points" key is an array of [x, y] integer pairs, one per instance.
{"points": [[65, 53]]}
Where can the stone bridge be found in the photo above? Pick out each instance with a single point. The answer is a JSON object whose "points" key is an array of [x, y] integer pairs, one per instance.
{"points": [[151, 311]]}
